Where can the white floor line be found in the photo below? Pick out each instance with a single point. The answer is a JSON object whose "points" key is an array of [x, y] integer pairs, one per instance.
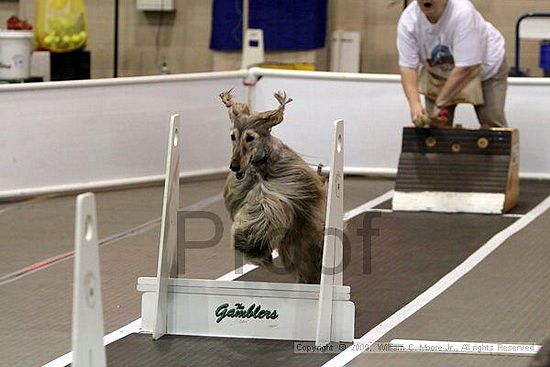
{"points": [[368, 205], [246, 268], [512, 215], [379, 210], [126, 330], [134, 326], [448, 280]]}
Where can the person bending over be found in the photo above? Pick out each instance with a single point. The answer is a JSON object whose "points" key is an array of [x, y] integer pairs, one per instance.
{"points": [[461, 58]]}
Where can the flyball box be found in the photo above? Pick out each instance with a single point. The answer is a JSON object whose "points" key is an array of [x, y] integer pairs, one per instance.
{"points": [[458, 170]]}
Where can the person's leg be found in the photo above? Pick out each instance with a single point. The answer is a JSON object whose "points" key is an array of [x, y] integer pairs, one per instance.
{"points": [[491, 113], [430, 106]]}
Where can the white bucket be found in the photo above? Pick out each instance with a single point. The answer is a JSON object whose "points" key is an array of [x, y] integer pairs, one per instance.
{"points": [[15, 54]]}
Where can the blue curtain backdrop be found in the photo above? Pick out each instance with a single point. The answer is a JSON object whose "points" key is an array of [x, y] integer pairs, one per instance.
{"points": [[287, 24]]}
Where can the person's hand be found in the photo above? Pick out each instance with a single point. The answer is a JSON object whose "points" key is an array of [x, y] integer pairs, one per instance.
{"points": [[439, 116], [419, 116]]}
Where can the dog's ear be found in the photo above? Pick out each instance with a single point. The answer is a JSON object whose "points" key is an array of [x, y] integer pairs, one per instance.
{"points": [[268, 119], [227, 98], [238, 112]]}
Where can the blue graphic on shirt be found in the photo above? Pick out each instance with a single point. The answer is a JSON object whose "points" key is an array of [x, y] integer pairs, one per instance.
{"points": [[441, 57]]}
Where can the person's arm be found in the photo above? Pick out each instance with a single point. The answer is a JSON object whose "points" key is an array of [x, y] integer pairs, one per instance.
{"points": [[468, 53], [458, 78], [409, 81], [409, 61]]}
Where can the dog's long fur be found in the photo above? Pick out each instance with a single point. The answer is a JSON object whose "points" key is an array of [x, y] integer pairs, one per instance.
{"points": [[276, 201]]}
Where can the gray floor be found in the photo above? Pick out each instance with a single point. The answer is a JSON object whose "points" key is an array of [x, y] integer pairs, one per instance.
{"points": [[412, 252], [504, 299], [35, 309]]}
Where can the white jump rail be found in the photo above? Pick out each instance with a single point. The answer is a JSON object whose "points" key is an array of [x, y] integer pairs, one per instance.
{"points": [[243, 309], [332, 273], [87, 330], [167, 261]]}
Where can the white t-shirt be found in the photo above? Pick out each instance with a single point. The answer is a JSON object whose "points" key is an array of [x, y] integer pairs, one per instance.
{"points": [[461, 37]]}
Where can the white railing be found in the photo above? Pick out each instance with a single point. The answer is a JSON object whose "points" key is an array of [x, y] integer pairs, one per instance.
{"points": [[84, 135], [375, 110]]}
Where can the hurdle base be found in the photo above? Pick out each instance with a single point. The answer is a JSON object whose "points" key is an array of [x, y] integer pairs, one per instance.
{"points": [[449, 202], [264, 310]]}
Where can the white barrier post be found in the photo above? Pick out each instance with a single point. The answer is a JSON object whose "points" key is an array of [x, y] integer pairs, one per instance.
{"points": [[167, 262], [87, 331], [332, 270]]}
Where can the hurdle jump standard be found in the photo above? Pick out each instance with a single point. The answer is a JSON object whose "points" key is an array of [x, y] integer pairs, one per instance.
{"points": [[244, 309], [87, 328]]}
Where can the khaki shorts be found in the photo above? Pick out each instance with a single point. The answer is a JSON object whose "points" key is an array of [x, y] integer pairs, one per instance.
{"points": [[490, 113]]}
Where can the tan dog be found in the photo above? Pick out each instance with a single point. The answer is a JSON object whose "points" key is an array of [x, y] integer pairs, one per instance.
{"points": [[276, 201]]}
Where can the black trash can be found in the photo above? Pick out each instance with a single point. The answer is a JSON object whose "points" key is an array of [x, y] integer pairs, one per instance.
{"points": [[71, 65]]}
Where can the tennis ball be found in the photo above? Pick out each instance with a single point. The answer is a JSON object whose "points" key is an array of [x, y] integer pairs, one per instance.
{"points": [[48, 40], [76, 39]]}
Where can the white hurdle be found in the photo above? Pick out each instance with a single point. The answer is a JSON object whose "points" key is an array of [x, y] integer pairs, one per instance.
{"points": [[243, 309], [87, 331], [167, 262], [333, 266]]}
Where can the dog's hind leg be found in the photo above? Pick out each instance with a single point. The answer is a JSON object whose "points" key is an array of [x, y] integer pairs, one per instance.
{"points": [[257, 253]]}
